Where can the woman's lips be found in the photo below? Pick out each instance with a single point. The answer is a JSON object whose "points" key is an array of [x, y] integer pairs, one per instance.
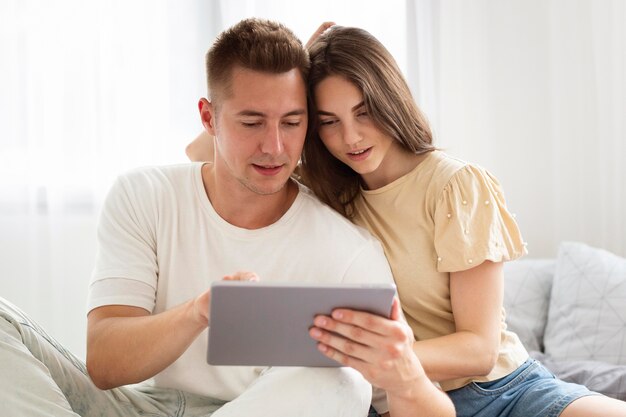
{"points": [[359, 154]]}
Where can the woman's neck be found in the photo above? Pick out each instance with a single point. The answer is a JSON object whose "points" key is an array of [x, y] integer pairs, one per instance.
{"points": [[397, 163]]}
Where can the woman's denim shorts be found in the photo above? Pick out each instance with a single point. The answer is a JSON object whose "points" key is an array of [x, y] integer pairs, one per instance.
{"points": [[531, 390]]}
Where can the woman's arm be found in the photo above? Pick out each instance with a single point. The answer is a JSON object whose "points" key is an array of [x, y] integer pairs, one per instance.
{"points": [[381, 350], [201, 149], [476, 295]]}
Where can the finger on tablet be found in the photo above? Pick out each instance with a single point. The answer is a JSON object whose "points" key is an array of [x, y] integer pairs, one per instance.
{"points": [[242, 276]]}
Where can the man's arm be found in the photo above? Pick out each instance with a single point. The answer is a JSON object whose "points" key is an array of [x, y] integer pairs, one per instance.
{"points": [[127, 345]]}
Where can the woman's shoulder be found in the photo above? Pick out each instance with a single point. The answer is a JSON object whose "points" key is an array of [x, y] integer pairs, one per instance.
{"points": [[453, 176], [444, 167]]}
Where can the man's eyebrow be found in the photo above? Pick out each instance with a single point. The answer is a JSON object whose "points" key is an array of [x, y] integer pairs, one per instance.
{"points": [[254, 113], [297, 112], [251, 113], [354, 108]]}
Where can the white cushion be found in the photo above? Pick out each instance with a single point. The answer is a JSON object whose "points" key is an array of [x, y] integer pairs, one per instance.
{"points": [[527, 285], [587, 316]]}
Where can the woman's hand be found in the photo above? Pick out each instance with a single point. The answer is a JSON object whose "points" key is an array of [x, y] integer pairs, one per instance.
{"points": [[318, 32], [382, 351], [377, 347]]}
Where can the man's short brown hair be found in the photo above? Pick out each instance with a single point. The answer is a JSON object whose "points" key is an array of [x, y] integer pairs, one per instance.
{"points": [[256, 44]]}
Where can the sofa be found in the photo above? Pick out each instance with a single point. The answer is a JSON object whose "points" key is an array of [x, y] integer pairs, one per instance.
{"points": [[570, 313]]}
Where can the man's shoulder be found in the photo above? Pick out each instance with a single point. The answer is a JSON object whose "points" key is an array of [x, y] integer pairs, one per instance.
{"points": [[160, 172], [156, 177], [151, 184]]}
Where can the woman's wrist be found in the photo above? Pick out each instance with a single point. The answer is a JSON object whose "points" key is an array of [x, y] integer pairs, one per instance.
{"points": [[411, 389]]}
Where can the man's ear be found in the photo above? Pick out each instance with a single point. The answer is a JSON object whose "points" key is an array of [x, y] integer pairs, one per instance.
{"points": [[207, 115]]}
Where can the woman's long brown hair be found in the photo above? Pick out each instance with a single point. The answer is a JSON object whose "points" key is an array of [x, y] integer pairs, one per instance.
{"points": [[360, 58]]}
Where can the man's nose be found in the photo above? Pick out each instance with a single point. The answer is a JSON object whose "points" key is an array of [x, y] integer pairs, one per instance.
{"points": [[273, 141]]}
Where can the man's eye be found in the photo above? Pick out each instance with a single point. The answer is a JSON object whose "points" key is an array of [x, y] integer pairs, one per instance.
{"points": [[293, 124], [251, 124], [327, 122]]}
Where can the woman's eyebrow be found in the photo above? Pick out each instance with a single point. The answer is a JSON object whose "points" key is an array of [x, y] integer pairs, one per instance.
{"points": [[354, 108], [358, 106]]}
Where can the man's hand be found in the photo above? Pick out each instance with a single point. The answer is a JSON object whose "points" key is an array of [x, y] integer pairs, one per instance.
{"points": [[125, 344], [202, 303], [242, 276]]}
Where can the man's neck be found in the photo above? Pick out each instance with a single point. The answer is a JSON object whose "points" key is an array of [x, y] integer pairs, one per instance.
{"points": [[244, 208]]}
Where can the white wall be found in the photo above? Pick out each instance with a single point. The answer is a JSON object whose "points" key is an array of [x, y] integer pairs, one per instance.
{"points": [[91, 89], [45, 271], [535, 91], [531, 89]]}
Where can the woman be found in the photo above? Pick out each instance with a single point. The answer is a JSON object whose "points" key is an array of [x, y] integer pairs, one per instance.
{"points": [[445, 229], [392, 366]]}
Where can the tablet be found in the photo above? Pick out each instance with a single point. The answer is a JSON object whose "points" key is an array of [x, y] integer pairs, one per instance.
{"points": [[267, 324]]}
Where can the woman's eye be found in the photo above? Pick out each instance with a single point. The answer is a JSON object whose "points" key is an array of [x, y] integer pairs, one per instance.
{"points": [[362, 114], [327, 122]]}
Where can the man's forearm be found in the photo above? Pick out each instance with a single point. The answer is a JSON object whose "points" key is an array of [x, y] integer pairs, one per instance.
{"points": [[126, 345]]}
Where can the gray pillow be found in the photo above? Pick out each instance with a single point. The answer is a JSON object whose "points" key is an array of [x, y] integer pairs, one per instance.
{"points": [[587, 315], [602, 377], [527, 285]]}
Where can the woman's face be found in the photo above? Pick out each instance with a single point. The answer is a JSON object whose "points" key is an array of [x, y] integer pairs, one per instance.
{"points": [[348, 131]]}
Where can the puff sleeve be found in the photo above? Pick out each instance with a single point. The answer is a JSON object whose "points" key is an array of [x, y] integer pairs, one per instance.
{"points": [[472, 223]]}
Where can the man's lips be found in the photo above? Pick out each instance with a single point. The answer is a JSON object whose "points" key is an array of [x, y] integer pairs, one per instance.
{"points": [[268, 170]]}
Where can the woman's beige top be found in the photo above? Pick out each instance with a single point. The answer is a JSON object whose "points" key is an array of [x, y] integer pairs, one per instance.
{"points": [[443, 216]]}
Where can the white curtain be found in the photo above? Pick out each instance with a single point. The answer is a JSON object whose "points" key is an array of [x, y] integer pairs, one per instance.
{"points": [[422, 56], [535, 91], [89, 89]]}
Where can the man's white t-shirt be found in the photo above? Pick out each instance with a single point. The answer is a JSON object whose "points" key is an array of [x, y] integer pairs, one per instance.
{"points": [[161, 243]]}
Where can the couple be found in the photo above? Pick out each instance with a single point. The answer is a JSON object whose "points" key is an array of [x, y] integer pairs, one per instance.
{"points": [[445, 231], [166, 233]]}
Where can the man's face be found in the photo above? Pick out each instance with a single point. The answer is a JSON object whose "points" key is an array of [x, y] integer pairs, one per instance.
{"points": [[259, 129]]}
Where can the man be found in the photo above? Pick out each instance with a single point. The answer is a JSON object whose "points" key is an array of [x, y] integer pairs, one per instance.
{"points": [[166, 233]]}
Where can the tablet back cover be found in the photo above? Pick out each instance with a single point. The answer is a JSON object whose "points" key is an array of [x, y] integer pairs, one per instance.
{"points": [[255, 324]]}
